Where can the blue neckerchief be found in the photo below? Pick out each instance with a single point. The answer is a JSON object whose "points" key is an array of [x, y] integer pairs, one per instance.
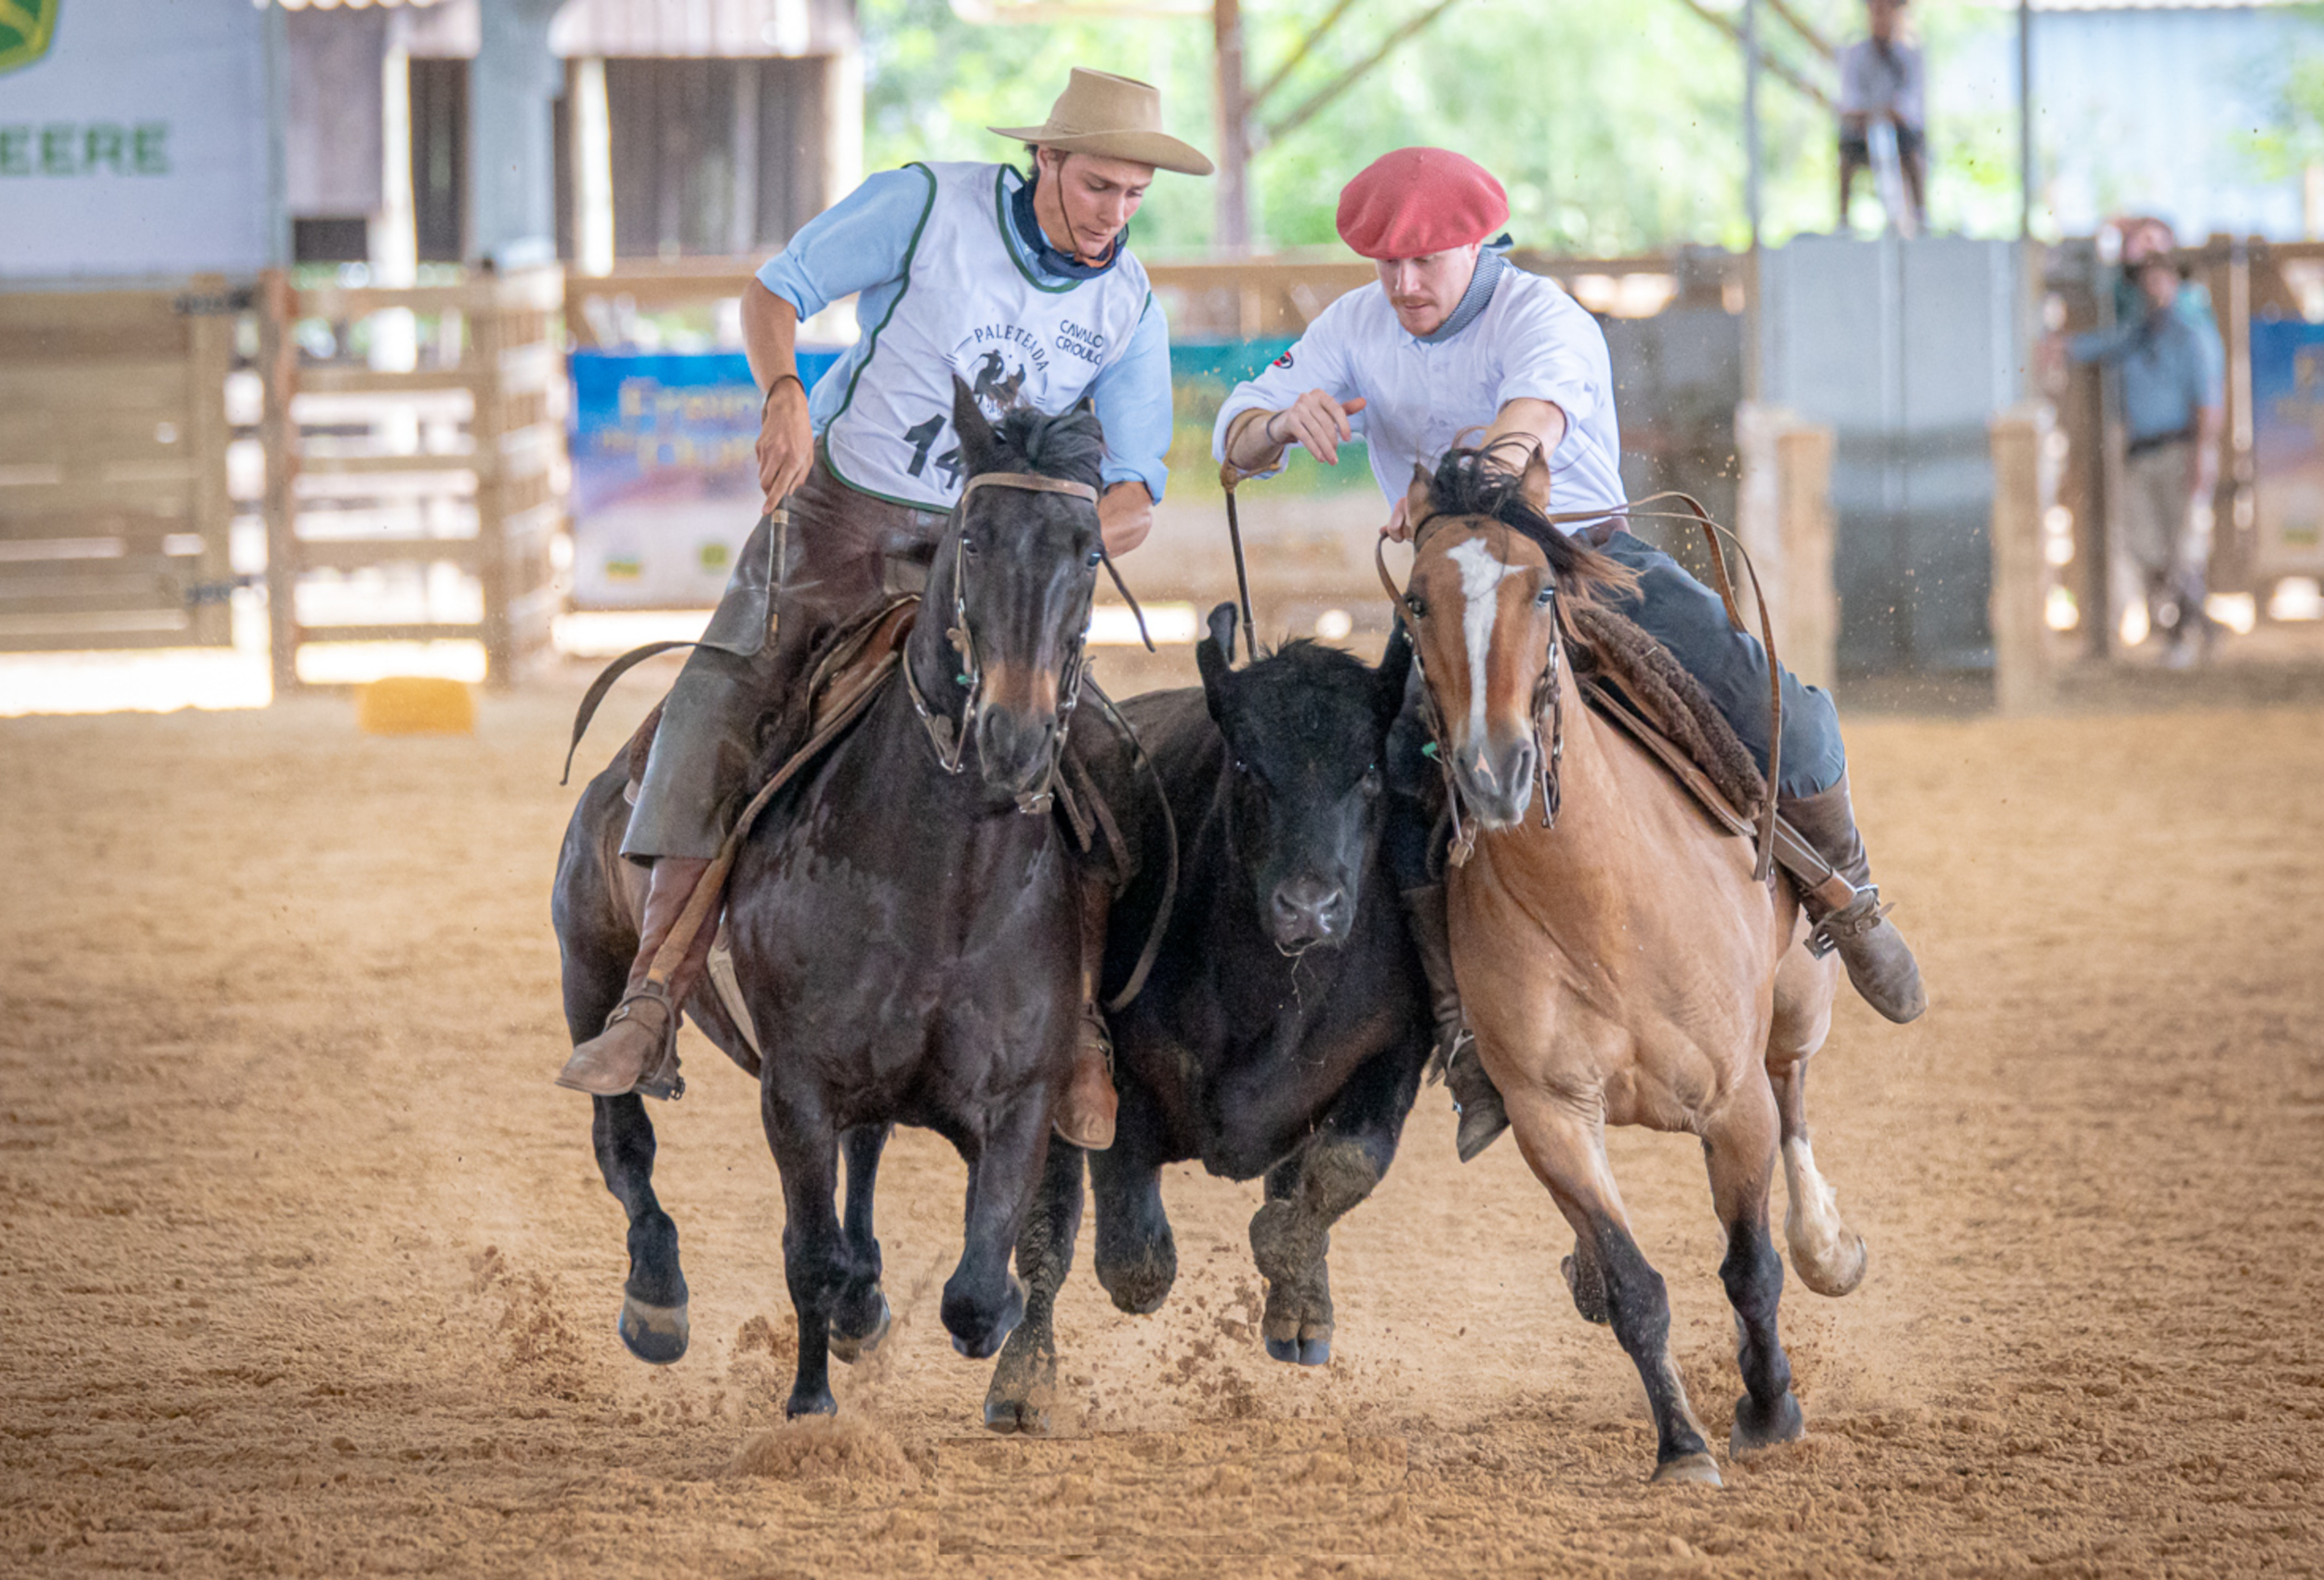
{"points": [[1047, 258], [1478, 296]]}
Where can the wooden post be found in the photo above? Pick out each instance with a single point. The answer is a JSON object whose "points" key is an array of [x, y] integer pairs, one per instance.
{"points": [[2023, 681], [1810, 633], [209, 358], [1232, 232], [491, 320], [1783, 517], [278, 367]]}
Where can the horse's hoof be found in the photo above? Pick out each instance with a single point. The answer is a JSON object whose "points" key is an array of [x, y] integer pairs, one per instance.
{"points": [[1011, 1312], [1688, 1470], [1007, 1416], [803, 1402], [653, 1334], [851, 1348], [1755, 1431], [1284, 1350], [1839, 1274]]}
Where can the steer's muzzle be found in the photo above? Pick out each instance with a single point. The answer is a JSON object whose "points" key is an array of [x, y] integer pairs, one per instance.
{"points": [[1308, 911]]}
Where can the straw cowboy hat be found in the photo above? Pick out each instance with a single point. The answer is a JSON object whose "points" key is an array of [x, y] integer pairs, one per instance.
{"points": [[1114, 118]]}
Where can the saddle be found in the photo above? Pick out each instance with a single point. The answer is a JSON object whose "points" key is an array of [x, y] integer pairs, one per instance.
{"points": [[1632, 681]]}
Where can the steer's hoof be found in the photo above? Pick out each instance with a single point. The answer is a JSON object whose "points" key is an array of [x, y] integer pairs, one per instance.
{"points": [[1007, 1416], [1300, 1351], [1689, 1469], [803, 1402], [851, 1348], [653, 1334], [1755, 1430]]}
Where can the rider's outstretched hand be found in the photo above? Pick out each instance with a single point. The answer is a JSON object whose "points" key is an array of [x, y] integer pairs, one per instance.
{"points": [[1317, 421], [786, 440]]}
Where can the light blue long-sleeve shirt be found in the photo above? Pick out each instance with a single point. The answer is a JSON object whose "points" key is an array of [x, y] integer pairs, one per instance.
{"points": [[2172, 369], [861, 245]]}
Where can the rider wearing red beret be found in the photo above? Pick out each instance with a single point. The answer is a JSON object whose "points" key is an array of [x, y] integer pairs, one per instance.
{"points": [[1454, 343]]}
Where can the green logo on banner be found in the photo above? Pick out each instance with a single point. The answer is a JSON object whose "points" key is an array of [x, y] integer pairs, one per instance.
{"points": [[26, 26]]}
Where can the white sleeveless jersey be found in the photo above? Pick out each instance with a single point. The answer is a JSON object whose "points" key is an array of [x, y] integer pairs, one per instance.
{"points": [[969, 307]]}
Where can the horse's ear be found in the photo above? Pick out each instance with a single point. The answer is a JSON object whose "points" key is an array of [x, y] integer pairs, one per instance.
{"points": [[1394, 671], [1417, 506], [976, 434], [1214, 656], [1535, 481]]}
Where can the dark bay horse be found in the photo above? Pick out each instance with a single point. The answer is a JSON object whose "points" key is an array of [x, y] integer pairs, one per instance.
{"points": [[1283, 1029], [1619, 963], [906, 938]]}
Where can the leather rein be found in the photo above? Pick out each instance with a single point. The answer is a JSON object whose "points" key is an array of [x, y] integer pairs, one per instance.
{"points": [[1549, 694], [950, 739]]}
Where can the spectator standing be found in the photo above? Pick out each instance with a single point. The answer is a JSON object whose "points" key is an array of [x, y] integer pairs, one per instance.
{"points": [[1882, 78], [2174, 412]]}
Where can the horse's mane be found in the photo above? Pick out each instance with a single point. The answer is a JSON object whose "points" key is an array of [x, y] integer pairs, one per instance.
{"points": [[1464, 485], [1068, 446]]}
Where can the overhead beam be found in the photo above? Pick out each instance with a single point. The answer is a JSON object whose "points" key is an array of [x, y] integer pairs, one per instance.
{"points": [[1274, 131], [1782, 72]]}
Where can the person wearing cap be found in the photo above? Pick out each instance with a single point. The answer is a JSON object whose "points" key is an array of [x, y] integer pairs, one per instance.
{"points": [[1022, 284], [1453, 344], [2173, 394]]}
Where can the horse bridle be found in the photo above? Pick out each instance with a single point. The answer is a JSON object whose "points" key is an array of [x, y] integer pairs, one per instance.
{"points": [[1547, 703], [951, 740]]}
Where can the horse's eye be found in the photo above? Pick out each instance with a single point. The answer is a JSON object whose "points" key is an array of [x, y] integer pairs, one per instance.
{"points": [[969, 544], [1097, 558], [1419, 610], [1546, 597]]}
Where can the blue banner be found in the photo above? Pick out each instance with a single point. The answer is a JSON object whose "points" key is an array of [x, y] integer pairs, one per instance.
{"points": [[665, 473]]}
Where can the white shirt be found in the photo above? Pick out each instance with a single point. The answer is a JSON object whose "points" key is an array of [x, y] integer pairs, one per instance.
{"points": [[1532, 342], [1873, 85]]}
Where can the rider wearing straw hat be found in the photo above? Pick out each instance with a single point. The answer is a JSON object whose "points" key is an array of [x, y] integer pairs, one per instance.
{"points": [[1023, 286], [1454, 342]]}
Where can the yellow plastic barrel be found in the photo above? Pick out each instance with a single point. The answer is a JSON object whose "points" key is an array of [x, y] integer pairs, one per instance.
{"points": [[415, 705]]}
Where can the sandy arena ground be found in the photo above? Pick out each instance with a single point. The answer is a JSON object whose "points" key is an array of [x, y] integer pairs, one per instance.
{"points": [[308, 1270]]}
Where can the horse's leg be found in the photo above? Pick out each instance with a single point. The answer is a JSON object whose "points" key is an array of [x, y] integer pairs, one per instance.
{"points": [[1290, 1236], [595, 940], [984, 1300], [1566, 1152], [1828, 1255], [814, 1258], [859, 1316], [1024, 1384], [1137, 1256], [652, 1322], [1740, 1148]]}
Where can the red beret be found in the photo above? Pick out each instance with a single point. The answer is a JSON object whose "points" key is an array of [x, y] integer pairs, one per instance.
{"points": [[1418, 200]]}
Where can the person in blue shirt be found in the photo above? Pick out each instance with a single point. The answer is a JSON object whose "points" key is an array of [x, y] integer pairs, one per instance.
{"points": [[1023, 286], [2174, 412]]}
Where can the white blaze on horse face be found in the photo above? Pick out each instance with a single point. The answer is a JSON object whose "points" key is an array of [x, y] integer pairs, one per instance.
{"points": [[1481, 573]]}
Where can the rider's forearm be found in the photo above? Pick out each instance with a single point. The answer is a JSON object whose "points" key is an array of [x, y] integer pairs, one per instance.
{"points": [[2209, 427], [1125, 517], [770, 335], [1525, 418], [1249, 446]]}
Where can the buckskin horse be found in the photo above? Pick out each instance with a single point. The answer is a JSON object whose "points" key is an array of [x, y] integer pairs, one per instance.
{"points": [[1282, 1031], [1619, 962], [906, 937]]}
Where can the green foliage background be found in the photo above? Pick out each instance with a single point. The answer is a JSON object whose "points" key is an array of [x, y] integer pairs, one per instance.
{"points": [[1614, 123]]}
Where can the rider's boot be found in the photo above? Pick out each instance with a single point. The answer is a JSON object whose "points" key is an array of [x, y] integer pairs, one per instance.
{"points": [[637, 1049], [1085, 1114], [1475, 1097], [1879, 964]]}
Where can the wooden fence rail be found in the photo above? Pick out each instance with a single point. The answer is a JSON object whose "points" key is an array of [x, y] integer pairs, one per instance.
{"points": [[114, 510], [431, 492]]}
